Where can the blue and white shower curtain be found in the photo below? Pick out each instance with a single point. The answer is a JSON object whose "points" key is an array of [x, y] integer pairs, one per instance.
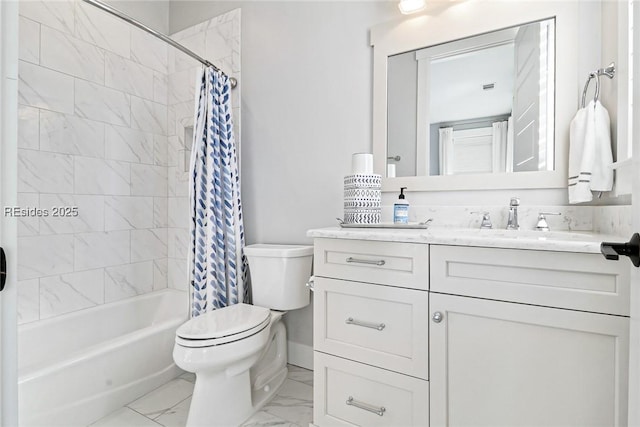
{"points": [[217, 265]]}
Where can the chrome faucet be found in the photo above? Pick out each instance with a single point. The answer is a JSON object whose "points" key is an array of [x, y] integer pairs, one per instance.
{"points": [[512, 223]]}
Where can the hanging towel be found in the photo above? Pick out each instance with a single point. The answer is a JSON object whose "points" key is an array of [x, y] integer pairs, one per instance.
{"points": [[602, 173], [590, 156]]}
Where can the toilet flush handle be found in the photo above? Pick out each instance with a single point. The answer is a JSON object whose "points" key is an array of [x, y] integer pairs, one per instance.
{"points": [[311, 283]]}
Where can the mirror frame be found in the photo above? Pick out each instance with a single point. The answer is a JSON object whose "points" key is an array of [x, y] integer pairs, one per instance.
{"points": [[459, 21]]}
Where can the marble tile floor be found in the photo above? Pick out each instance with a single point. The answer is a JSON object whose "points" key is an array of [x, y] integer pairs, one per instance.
{"points": [[168, 405]]}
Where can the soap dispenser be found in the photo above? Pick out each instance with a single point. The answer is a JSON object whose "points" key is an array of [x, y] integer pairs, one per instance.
{"points": [[401, 209]]}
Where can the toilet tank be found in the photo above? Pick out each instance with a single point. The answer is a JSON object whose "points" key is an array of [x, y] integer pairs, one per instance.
{"points": [[279, 274]]}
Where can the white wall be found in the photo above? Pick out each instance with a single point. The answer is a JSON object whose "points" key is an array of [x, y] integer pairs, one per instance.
{"points": [[153, 13], [306, 107], [264, 54], [306, 101]]}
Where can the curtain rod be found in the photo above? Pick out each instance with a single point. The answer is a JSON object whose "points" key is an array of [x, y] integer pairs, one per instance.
{"points": [[487, 119], [232, 80]]}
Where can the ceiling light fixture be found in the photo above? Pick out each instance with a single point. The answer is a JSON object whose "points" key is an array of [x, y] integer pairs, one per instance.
{"points": [[411, 6]]}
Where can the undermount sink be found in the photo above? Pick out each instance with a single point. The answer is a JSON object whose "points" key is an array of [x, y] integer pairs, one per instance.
{"points": [[527, 239], [534, 234]]}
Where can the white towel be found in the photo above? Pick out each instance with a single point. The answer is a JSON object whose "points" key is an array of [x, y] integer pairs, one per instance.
{"points": [[590, 156], [602, 172]]}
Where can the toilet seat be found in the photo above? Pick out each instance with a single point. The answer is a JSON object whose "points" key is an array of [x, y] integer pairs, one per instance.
{"points": [[223, 326]]}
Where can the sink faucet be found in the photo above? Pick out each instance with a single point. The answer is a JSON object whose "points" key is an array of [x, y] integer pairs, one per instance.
{"points": [[512, 223]]}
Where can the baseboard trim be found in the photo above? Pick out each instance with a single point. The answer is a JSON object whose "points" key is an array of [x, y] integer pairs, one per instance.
{"points": [[300, 354]]}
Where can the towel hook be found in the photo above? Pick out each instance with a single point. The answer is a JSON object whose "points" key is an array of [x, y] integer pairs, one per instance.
{"points": [[609, 71]]}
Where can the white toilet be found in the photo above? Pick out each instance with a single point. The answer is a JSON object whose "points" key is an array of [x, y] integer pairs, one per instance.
{"points": [[239, 353]]}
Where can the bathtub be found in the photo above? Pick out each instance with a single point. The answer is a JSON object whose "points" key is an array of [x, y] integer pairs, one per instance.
{"points": [[76, 368]]}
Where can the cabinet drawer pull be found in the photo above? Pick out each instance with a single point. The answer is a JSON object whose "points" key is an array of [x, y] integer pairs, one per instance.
{"points": [[376, 410], [352, 321], [365, 261]]}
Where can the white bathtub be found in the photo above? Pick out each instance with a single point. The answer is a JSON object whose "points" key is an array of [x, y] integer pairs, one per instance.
{"points": [[76, 368]]}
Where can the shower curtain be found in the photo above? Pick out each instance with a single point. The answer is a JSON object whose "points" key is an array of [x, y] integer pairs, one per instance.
{"points": [[217, 265]]}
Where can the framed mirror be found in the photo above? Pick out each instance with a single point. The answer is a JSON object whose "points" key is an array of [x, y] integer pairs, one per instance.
{"points": [[483, 104], [468, 103]]}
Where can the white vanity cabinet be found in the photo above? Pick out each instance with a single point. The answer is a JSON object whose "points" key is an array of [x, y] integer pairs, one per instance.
{"points": [[495, 363], [418, 334], [496, 359], [371, 324], [576, 281]]}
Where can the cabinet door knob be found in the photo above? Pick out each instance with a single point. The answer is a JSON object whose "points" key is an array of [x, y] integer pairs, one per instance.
{"points": [[437, 317]]}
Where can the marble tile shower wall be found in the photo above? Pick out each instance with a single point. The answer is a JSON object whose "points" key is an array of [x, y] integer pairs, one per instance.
{"points": [[218, 40], [93, 94]]}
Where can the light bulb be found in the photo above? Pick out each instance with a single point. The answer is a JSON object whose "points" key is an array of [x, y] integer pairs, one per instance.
{"points": [[411, 6]]}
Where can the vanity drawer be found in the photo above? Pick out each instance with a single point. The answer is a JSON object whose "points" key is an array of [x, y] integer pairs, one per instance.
{"points": [[378, 325], [404, 265], [347, 393], [577, 281]]}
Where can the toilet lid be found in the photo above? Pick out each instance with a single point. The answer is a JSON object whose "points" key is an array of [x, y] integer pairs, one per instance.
{"points": [[224, 322]]}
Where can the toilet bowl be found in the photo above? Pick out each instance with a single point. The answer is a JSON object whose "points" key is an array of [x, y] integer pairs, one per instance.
{"points": [[238, 353]]}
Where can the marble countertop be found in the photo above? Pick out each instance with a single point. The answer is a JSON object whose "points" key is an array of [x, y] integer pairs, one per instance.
{"points": [[564, 241]]}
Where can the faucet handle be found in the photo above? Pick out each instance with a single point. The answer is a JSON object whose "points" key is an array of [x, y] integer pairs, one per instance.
{"points": [[514, 201], [542, 224], [486, 220]]}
